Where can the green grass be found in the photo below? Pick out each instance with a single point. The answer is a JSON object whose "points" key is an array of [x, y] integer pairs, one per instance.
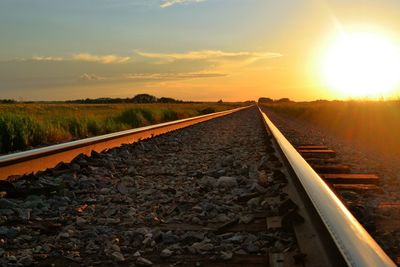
{"points": [[23, 126]]}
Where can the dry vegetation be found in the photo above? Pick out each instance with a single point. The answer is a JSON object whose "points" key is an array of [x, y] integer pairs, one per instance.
{"points": [[26, 125], [369, 123]]}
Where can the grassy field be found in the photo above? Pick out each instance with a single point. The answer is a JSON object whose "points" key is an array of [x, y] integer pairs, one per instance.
{"points": [[23, 126], [369, 123]]}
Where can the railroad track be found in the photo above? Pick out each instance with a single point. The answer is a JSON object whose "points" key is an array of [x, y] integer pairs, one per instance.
{"points": [[368, 189], [226, 192], [40, 159]]}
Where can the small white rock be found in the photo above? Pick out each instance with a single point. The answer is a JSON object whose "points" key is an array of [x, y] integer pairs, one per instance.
{"points": [[80, 221], [166, 253], [118, 256], [143, 262], [226, 255]]}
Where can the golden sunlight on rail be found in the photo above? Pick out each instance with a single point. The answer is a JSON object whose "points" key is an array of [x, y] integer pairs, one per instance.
{"points": [[362, 64]]}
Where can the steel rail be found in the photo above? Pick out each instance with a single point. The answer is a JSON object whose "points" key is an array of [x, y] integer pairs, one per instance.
{"points": [[355, 244], [48, 157]]}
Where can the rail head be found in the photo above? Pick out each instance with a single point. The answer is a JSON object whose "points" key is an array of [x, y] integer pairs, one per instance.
{"points": [[355, 244]]}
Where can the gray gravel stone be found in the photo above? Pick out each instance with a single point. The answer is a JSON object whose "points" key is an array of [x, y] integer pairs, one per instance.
{"points": [[200, 247], [226, 182], [24, 214], [26, 260], [208, 181], [7, 204], [252, 248], [226, 255], [191, 237], [169, 238], [143, 262], [165, 253], [80, 221], [118, 256], [9, 232]]}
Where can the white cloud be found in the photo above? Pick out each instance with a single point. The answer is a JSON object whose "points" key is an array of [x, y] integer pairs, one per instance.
{"points": [[91, 77], [169, 3], [168, 76], [46, 58], [105, 59], [209, 55], [172, 76]]}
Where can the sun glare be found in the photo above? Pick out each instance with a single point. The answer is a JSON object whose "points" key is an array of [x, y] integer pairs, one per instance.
{"points": [[362, 64]]}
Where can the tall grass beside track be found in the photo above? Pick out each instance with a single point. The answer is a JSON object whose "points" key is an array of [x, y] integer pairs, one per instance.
{"points": [[373, 124], [23, 126]]}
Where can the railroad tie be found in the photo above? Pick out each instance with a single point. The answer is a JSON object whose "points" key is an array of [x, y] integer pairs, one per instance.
{"points": [[317, 153], [311, 147], [331, 168], [286, 259], [321, 161], [350, 178], [357, 187]]}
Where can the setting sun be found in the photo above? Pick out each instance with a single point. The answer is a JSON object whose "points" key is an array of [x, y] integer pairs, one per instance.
{"points": [[361, 64]]}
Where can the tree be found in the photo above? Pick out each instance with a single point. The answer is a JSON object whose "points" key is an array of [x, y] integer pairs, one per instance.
{"points": [[144, 98], [265, 100], [167, 100], [7, 101], [283, 100]]}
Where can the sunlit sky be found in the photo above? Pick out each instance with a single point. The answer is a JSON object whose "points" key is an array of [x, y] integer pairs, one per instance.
{"points": [[187, 49]]}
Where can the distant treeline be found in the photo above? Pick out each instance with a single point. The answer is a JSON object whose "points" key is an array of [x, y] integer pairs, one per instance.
{"points": [[140, 98], [7, 101], [270, 100], [267, 100]]}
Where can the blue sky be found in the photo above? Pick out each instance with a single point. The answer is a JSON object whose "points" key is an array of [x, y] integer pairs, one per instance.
{"points": [[54, 49], [54, 26]]}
